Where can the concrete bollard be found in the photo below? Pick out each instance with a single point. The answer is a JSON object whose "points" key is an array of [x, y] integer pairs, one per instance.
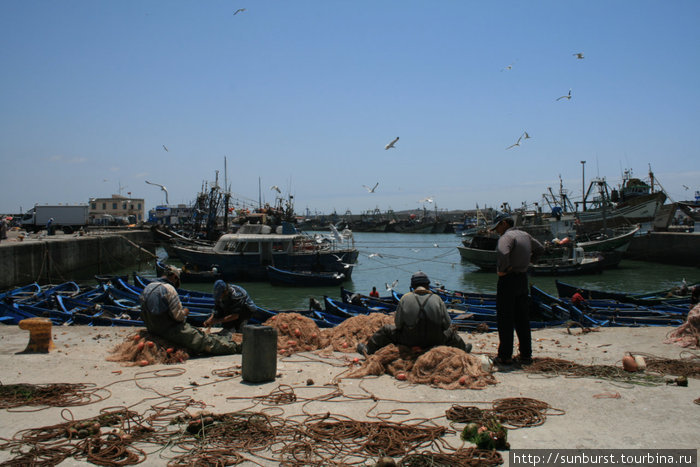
{"points": [[40, 340]]}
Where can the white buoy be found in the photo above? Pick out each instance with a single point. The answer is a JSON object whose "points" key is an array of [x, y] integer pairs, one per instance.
{"points": [[641, 363]]}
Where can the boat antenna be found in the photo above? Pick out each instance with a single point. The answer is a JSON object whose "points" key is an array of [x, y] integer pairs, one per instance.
{"points": [[259, 195]]}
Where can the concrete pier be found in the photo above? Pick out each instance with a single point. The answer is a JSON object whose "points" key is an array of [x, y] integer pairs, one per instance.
{"points": [[60, 258]]}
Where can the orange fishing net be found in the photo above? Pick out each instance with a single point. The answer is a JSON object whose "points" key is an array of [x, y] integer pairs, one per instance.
{"points": [[144, 349], [295, 333], [345, 336], [444, 367], [688, 333]]}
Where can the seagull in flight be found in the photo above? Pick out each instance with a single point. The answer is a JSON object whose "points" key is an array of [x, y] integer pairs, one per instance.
{"points": [[391, 145], [375, 255], [162, 189], [276, 188], [389, 287], [240, 10], [166, 149], [568, 96], [686, 187], [517, 143], [525, 135], [340, 260], [426, 200], [509, 67], [371, 190], [578, 55]]}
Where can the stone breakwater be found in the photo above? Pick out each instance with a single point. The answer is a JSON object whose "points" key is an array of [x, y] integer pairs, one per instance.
{"points": [[60, 258]]}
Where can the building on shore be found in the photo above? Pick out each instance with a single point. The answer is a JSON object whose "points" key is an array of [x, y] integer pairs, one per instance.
{"points": [[116, 210]]}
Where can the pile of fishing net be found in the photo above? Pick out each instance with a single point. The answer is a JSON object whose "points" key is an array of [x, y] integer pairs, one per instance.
{"points": [[688, 333], [345, 336], [144, 349], [443, 367], [295, 333]]}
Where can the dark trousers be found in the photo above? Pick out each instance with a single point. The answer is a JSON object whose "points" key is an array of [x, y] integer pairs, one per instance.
{"points": [[513, 313], [389, 334]]}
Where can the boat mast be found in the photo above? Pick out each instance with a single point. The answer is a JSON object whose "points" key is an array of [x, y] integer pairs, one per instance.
{"points": [[227, 196], [583, 184]]}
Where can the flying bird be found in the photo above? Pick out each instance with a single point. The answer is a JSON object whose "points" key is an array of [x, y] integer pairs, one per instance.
{"points": [[525, 135], [371, 190], [166, 149], [340, 260], [375, 255], [517, 143], [567, 96], [686, 187], [509, 67], [391, 145], [578, 55], [426, 200], [240, 10], [162, 189], [276, 188], [390, 287]]}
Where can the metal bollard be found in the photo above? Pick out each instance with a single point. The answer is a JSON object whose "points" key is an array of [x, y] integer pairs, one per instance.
{"points": [[259, 353]]}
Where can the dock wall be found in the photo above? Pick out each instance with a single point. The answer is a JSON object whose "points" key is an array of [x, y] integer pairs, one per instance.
{"points": [[65, 258], [677, 248]]}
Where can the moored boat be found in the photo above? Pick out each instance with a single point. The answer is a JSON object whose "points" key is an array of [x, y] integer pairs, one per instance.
{"points": [[245, 255]]}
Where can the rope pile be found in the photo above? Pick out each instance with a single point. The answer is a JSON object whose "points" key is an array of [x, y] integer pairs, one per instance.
{"points": [[571, 369], [513, 412], [443, 367], [102, 440], [464, 457], [688, 366], [50, 395]]}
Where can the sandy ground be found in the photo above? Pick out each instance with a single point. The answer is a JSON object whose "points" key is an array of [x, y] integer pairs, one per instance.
{"points": [[649, 417]]}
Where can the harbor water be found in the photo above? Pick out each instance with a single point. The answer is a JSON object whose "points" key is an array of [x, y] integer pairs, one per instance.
{"points": [[387, 257]]}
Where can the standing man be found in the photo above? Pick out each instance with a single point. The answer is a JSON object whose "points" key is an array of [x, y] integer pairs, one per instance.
{"points": [[421, 320], [233, 307], [514, 252], [164, 316]]}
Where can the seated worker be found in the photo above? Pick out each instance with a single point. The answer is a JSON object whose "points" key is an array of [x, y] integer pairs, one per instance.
{"points": [[374, 293], [421, 320], [233, 307], [164, 316]]}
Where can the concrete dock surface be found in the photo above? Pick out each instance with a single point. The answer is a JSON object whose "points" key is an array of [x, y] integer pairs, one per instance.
{"points": [[595, 413]]}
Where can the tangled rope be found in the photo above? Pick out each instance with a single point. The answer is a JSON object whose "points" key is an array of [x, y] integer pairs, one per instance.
{"points": [[514, 412], [465, 457], [49, 395], [567, 368]]}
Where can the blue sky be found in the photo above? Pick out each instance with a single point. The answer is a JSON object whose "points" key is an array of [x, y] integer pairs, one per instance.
{"points": [[305, 95]]}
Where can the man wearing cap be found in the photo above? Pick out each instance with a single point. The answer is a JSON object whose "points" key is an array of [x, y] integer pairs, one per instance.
{"points": [[514, 252], [421, 320], [233, 307], [164, 316]]}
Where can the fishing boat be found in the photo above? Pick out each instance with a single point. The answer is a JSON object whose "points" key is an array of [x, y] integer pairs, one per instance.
{"points": [[278, 276], [480, 250], [246, 254], [673, 296]]}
